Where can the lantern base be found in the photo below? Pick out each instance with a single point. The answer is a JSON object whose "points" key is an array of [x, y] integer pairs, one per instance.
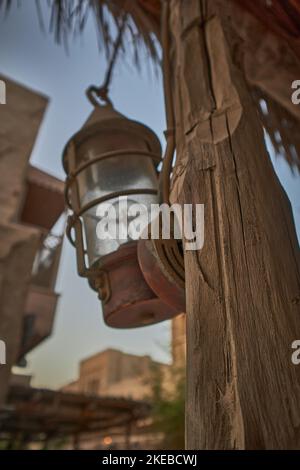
{"points": [[142, 313], [132, 302]]}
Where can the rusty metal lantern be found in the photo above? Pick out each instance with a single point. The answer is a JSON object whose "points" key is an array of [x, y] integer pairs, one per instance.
{"points": [[109, 158]]}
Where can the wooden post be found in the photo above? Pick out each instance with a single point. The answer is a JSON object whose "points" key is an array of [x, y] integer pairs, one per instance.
{"points": [[76, 441], [128, 429], [243, 287], [46, 441]]}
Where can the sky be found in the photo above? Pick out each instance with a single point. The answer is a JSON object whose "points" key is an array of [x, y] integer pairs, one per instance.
{"points": [[31, 57]]}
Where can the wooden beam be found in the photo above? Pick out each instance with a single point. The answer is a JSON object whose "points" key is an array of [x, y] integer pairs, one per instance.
{"points": [[243, 287]]}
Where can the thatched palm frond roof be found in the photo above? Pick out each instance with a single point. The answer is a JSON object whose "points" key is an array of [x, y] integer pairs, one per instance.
{"points": [[252, 19], [69, 18], [280, 16]]}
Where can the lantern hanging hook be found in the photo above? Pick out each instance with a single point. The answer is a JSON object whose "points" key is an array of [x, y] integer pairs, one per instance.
{"points": [[94, 93]]}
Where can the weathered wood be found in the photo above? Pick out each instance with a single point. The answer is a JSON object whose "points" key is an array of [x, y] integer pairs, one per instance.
{"points": [[243, 287]]}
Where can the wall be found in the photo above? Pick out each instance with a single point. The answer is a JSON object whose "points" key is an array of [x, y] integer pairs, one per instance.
{"points": [[20, 119]]}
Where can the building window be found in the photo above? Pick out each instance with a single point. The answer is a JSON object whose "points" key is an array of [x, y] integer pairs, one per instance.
{"points": [[93, 387]]}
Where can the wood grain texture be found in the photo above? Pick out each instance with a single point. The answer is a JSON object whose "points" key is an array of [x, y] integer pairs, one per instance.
{"points": [[243, 287]]}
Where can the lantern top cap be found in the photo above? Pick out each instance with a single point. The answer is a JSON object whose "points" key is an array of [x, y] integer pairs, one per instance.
{"points": [[106, 118], [102, 114]]}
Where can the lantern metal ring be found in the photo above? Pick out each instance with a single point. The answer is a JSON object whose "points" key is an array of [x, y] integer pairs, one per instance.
{"points": [[169, 252], [162, 261]]}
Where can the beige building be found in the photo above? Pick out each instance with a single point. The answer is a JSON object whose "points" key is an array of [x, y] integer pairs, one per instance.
{"points": [[114, 373], [179, 340], [29, 252]]}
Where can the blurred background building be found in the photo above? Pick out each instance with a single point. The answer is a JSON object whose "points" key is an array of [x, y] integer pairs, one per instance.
{"points": [[179, 341], [31, 202], [107, 405], [114, 373]]}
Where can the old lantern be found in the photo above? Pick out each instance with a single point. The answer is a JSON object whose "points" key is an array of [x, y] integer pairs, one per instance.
{"points": [[113, 161]]}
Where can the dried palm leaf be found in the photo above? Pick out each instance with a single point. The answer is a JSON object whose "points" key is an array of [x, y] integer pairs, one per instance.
{"points": [[281, 126], [69, 18]]}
